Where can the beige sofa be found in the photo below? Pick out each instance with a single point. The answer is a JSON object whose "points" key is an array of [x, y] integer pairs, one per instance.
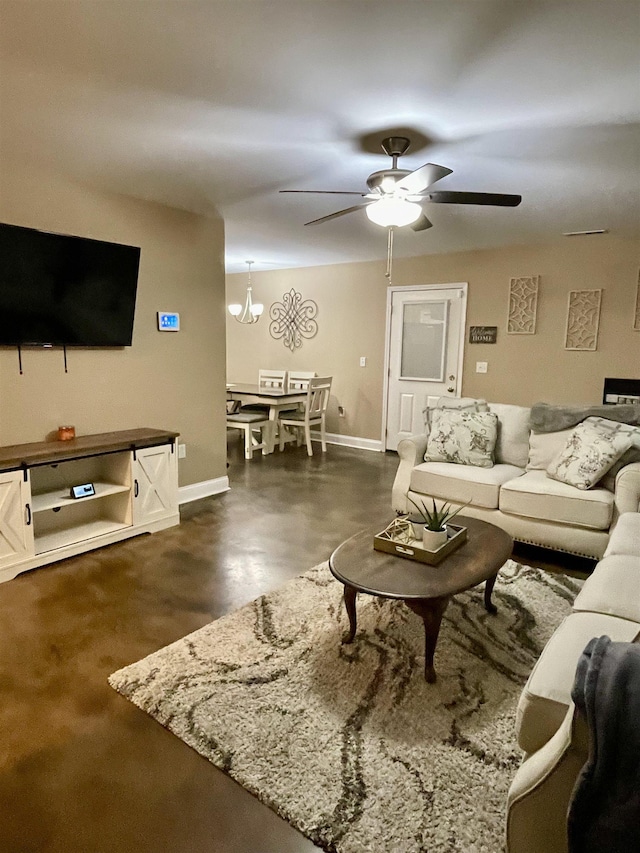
{"points": [[553, 736], [516, 494]]}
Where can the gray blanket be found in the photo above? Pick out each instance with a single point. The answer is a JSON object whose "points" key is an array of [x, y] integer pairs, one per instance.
{"points": [[604, 813], [548, 418]]}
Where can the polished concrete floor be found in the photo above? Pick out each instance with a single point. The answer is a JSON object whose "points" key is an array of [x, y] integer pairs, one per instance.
{"points": [[82, 769]]}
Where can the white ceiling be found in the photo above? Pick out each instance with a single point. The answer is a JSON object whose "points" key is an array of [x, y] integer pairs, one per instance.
{"points": [[218, 104]]}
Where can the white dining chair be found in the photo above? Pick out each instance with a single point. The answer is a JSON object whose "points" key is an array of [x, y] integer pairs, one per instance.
{"points": [[298, 380], [313, 414], [251, 423], [273, 379]]}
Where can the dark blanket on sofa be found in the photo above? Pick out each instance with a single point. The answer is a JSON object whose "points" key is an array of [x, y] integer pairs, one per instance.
{"points": [[548, 418], [604, 813]]}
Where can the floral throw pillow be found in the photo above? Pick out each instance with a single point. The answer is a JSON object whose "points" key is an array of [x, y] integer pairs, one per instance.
{"points": [[593, 447], [462, 437]]}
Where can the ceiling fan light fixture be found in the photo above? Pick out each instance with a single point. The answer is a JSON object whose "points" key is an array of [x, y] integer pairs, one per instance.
{"points": [[396, 212]]}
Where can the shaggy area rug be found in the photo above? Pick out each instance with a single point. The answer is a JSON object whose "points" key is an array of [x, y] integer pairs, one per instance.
{"points": [[348, 743]]}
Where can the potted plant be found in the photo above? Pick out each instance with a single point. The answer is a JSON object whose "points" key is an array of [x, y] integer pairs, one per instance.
{"points": [[434, 522]]}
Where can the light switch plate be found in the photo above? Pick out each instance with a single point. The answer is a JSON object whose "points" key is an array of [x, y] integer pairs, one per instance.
{"points": [[481, 366]]}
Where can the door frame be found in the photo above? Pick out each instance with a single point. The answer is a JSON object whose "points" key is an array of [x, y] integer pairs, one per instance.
{"points": [[420, 288]]}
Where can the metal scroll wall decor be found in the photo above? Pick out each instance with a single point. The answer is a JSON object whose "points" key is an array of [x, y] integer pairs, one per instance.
{"points": [[293, 319]]}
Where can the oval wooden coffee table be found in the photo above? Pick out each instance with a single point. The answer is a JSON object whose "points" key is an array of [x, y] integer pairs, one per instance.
{"points": [[425, 589]]}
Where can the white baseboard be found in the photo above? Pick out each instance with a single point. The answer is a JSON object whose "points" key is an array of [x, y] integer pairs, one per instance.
{"points": [[349, 441], [195, 491]]}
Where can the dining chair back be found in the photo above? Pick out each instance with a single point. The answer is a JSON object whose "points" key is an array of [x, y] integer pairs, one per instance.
{"points": [[298, 380], [273, 379], [314, 414]]}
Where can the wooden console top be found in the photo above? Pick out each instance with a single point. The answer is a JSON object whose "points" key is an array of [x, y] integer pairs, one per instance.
{"points": [[46, 452]]}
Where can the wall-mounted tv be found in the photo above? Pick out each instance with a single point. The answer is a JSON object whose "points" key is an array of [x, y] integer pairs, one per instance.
{"points": [[57, 290]]}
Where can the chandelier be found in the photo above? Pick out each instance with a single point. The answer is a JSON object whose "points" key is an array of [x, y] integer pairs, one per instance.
{"points": [[251, 311]]}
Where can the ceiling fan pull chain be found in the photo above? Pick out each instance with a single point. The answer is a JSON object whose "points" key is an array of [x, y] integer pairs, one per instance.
{"points": [[389, 254]]}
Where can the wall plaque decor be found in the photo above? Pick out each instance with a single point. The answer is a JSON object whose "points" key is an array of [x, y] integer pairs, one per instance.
{"points": [[583, 319], [483, 334], [293, 319], [523, 305], [636, 321]]}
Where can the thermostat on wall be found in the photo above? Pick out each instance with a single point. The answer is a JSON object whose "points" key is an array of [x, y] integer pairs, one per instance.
{"points": [[168, 321]]}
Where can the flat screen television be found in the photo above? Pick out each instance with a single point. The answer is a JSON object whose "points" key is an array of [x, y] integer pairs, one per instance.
{"points": [[57, 290]]}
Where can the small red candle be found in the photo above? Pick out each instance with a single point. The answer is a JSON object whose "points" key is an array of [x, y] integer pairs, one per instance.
{"points": [[65, 433]]}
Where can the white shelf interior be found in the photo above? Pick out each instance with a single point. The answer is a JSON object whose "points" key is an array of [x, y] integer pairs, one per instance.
{"points": [[61, 497], [75, 533]]}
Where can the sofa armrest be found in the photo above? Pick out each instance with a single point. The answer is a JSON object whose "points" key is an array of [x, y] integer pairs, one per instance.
{"points": [[540, 793], [628, 488], [411, 452]]}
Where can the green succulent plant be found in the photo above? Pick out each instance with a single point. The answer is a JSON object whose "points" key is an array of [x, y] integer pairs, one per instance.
{"points": [[436, 519]]}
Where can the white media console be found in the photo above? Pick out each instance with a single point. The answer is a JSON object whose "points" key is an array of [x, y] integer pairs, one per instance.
{"points": [[134, 474]]}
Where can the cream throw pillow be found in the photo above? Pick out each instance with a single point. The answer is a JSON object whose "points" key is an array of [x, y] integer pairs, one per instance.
{"points": [[593, 447], [462, 437]]}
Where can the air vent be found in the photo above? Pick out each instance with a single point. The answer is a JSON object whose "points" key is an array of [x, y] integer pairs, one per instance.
{"points": [[585, 233]]}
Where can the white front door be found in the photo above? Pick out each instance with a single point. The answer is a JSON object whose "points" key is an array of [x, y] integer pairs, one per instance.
{"points": [[425, 349]]}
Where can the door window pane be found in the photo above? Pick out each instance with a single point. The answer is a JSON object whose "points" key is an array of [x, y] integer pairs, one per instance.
{"points": [[424, 340]]}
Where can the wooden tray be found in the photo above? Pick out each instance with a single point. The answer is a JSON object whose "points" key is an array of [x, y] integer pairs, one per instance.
{"points": [[414, 550]]}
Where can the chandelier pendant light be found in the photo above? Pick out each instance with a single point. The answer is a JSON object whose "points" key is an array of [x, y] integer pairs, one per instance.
{"points": [[252, 310]]}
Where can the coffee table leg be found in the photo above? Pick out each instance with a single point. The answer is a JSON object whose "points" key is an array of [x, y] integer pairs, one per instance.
{"points": [[350, 594], [489, 606], [431, 611]]}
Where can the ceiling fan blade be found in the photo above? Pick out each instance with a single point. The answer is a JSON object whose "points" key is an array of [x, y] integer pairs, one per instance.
{"points": [[422, 224], [423, 177], [325, 192], [338, 213], [498, 199]]}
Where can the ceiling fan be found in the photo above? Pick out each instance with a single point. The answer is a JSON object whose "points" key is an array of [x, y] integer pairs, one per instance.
{"points": [[396, 196]]}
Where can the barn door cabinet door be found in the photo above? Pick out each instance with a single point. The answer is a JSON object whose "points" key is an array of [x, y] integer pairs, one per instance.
{"points": [[16, 523], [155, 483]]}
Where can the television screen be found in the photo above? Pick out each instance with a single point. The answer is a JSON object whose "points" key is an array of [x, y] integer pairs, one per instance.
{"points": [[65, 291]]}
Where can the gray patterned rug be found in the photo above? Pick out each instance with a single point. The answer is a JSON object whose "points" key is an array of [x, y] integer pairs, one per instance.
{"points": [[348, 743]]}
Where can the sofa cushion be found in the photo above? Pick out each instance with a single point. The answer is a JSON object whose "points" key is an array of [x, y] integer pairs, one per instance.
{"points": [[534, 495], [544, 447], [625, 538], [591, 450], [512, 445], [613, 588], [462, 437], [459, 483], [547, 694]]}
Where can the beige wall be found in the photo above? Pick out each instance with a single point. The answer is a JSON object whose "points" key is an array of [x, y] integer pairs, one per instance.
{"points": [[523, 369], [165, 380]]}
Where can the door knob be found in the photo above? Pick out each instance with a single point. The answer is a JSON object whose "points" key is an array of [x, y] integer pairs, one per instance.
{"points": [[450, 390], [451, 377]]}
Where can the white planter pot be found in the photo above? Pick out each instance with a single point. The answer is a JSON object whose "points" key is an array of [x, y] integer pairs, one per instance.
{"points": [[433, 539], [417, 527]]}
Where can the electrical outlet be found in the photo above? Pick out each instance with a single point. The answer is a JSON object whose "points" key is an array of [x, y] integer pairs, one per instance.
{"points": [[363, 361], [481, 366], [182, 451]]}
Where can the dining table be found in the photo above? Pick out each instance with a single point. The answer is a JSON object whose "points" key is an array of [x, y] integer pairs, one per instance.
{"points": [[275, 398]]}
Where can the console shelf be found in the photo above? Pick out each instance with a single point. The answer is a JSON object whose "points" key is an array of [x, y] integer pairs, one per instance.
{"points": [[63, 537], [61, 498], [135, 476]]}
